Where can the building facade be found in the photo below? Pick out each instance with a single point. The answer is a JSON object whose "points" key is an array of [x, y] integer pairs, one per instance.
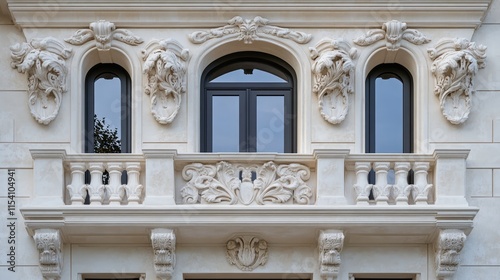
{"points": [[249, 139]]}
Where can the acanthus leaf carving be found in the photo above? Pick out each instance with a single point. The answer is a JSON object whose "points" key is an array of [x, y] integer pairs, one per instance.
{"points": [[49, 245], [44, 60], [232, 183], [449, 244], [165, 67], [455, 64], [393, 31], [247, 252], [163, 242], [248, 30], [330, 245], [333, 72], [103, 32]]}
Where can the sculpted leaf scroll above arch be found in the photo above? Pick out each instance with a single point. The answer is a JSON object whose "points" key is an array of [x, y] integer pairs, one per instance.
{"points": [[393, 31], [44, 60], [246, 184], [455, 64], [248, 30], [165, 67], [333, 72], [103, 32]]}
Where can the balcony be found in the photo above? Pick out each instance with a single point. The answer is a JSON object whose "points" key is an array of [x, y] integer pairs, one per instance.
{"points": [[108, 198]]}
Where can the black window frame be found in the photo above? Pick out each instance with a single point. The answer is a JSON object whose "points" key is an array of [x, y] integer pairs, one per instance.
{"points": [[248, 93], [96, 72], [405, 77]]}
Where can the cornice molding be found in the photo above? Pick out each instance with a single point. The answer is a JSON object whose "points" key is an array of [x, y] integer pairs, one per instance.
{"points": [[205, 13]]}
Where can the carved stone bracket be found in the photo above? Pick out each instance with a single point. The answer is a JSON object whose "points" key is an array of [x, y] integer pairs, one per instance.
{"points": [[449, 244], [393, 31], [456, 62], [333, 72], [163, 241], [44, 60], [165, 67], [49, 245], [330, 244], [234, 184], [246, 252], [248, 30], [103, 32]]}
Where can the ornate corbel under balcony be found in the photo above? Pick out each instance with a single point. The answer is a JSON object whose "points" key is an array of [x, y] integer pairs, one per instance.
{"points": [[163, 241], [44, 60], [246, 252], [456, 62], [248, 30], [49, 245], [333, 72], [330, 244], [103, 32], [393, 32], [165, 67], [449, 244]]}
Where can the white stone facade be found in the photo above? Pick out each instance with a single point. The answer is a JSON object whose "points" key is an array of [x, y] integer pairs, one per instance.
{"points": [[308, 215]]}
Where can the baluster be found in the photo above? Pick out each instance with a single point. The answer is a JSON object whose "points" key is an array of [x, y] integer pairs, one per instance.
{"points": [[421, 187], [133, 188], [401, 188], [115, 188], [96, 188], [77, 189], [381, 190], [362, 187]]}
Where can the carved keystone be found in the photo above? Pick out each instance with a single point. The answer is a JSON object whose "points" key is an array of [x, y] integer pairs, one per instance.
{"points": [[163, 241], [246, 252], [49, 245], [330, 244]]}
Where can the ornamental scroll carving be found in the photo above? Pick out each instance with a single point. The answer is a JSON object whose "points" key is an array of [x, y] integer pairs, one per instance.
{"points": [[49, 245], [246, 252], [248, 30], [44, 60], [333, 72], [246, 184], [103, 32], [165, 67], [330, 244], [449, 244], [163, 241], [456, 62], [393, 32]]}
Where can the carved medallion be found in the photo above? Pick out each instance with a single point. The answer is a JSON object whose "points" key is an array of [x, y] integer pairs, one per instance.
{"points": [[456, 62], [333, 72], [44, 60], [165, 67], [246, 252]]}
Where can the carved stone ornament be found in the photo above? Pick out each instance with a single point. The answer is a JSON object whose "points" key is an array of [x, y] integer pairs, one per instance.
{"points": [[234, 184], [393, 31], [246, 252], [330, 244], [103, 32], [44, 60], [449, 244], [49, 245], [163, 241], [456, 62], [333, 72], [165, 67], [248, 30]]}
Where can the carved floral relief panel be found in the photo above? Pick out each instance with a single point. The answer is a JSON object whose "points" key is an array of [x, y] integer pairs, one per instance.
{"points": [[246, 252]]}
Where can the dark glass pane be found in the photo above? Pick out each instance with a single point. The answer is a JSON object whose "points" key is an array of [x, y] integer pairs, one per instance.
{"points": [[388, 115], [107, 115], [248, 76], [225, 124], [270, 124]]}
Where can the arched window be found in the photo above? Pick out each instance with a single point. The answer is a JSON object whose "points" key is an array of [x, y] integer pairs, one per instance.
{"points": [[248, 105], [389, 110], [107, 110]]}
